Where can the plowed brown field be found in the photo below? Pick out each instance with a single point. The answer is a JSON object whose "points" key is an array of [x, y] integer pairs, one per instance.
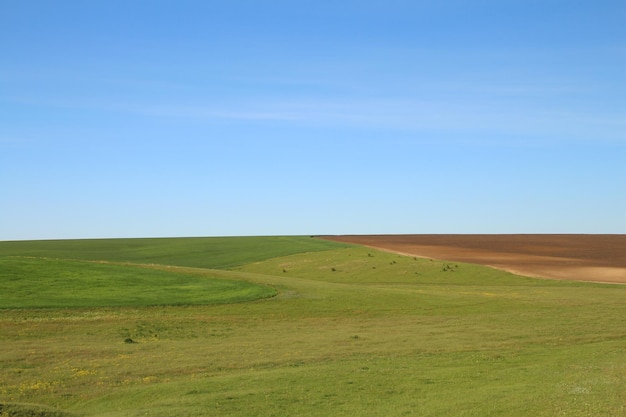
{"points": [[599, 258]]}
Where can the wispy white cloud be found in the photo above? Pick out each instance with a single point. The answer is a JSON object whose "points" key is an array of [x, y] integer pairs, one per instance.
{"points": [[415, 115], [460, 116]]}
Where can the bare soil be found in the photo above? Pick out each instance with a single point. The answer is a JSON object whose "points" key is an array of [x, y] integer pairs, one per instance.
{"points": [[597, 258]]}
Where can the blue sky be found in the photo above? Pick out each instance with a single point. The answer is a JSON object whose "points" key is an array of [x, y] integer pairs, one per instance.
{"points": [[211, 118]]}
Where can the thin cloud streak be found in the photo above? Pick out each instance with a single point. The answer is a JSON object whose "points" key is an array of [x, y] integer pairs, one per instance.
{"points": [[413, 115], [456, 116]]}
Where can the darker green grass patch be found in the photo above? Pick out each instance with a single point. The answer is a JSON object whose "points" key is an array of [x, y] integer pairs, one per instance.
{"points": [[30, 410], [54, 283]]}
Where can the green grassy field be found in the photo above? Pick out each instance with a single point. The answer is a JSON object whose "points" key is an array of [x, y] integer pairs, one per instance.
{"points": [[350, 331], [215, 252], [45, 282]]}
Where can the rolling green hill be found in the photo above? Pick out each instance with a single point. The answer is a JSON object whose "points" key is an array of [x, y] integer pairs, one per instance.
{"points": [[201, 252], [53, 283]]}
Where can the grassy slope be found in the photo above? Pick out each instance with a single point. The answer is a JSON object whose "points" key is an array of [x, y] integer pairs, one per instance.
{"points": [[201, 252], [54, 273], [352, 332], [55, 283]]}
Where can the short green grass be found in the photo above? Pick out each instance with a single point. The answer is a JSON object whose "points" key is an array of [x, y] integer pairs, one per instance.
{"points": [[202, 252], [44, 282], [351, 332]]}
